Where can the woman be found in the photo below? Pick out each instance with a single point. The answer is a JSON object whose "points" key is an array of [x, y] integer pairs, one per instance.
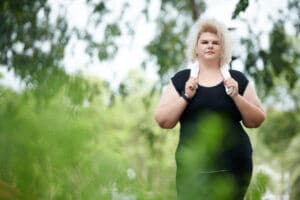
{"points": [[214, 153]]}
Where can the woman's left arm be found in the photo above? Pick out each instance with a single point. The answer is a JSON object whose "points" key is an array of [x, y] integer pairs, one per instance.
{"points": [[248, 104], [250, 107]]}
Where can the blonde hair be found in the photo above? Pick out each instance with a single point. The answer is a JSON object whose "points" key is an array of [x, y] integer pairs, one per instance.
{"points": [[212, 26]]}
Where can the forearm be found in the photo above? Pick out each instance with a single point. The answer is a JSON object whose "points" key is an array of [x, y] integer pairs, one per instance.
{"points": [[167, 115], [252, 114]]}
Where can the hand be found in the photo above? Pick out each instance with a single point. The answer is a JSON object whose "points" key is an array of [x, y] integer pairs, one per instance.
{"points": [[230, 82], [191, 87]]}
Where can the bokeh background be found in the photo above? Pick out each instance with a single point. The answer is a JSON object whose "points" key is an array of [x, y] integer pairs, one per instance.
{"points": [[80, 81]]}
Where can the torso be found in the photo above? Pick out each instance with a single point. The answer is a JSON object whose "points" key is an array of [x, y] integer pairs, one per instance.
{"points": [[212, 109]]}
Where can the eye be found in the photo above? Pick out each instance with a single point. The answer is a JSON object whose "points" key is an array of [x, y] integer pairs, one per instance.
{"points": [[216, 42], [204, 42]]}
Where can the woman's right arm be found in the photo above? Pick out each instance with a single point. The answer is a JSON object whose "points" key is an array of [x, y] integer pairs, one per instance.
{"points": [[170, 107]]}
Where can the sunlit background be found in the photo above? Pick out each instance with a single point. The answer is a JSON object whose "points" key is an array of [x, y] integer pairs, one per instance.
{"points": [[80, 79]]}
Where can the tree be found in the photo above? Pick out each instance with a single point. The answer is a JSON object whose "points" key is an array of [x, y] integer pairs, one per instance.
{"points": [[27, 31], [33, 46], [30, 44]]}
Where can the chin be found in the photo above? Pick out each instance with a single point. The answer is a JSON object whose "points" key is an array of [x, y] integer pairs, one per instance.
{"points": [[211, 57]]}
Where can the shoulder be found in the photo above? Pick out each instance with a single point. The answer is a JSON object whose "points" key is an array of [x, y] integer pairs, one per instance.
{"points": [[183, 73], [180, 78], [241, 78], [236, 73]]}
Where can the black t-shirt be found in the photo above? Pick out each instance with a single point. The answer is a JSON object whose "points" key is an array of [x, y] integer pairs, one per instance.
{"points": [[211, 122]]}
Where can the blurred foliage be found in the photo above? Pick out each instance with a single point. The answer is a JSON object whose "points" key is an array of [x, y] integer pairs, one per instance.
{"points": [[258, 187], [197, 156], [281, 60], [64, 151], [30, 44], [168, 46], [292, 161], [69, 137], [175, 18], [279, 132], [280, 136], [240, 7], [99, 149]]}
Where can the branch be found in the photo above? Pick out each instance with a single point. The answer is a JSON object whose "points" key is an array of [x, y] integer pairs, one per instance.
{"points": [[195, 11]]}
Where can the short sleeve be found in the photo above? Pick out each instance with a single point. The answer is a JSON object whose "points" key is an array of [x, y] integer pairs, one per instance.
{"points": [[241, 79], [179, 79]]}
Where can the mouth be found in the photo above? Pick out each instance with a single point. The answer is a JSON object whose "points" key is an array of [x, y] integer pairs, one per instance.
{"points": [[210, 52]]}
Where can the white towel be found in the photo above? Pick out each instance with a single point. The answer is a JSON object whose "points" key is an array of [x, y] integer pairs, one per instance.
{"points": [[226, 75], [194, 66]]}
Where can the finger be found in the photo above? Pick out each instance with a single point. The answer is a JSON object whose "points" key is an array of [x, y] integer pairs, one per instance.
{"points": [[191, 87], [196, 85], [229, 83], [195, 81], [231, 87]]}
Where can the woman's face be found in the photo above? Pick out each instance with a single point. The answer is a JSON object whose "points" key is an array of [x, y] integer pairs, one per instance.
{"points": [[209, 46]]}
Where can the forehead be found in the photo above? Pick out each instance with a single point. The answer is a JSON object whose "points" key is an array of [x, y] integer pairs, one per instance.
{"points": [[208, 36]]}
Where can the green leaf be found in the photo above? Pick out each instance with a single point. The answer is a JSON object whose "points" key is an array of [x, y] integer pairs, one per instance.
{"points": [[241, 6]]}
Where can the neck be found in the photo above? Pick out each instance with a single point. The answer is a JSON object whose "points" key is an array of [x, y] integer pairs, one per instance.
{"points": [[209, 65]]}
